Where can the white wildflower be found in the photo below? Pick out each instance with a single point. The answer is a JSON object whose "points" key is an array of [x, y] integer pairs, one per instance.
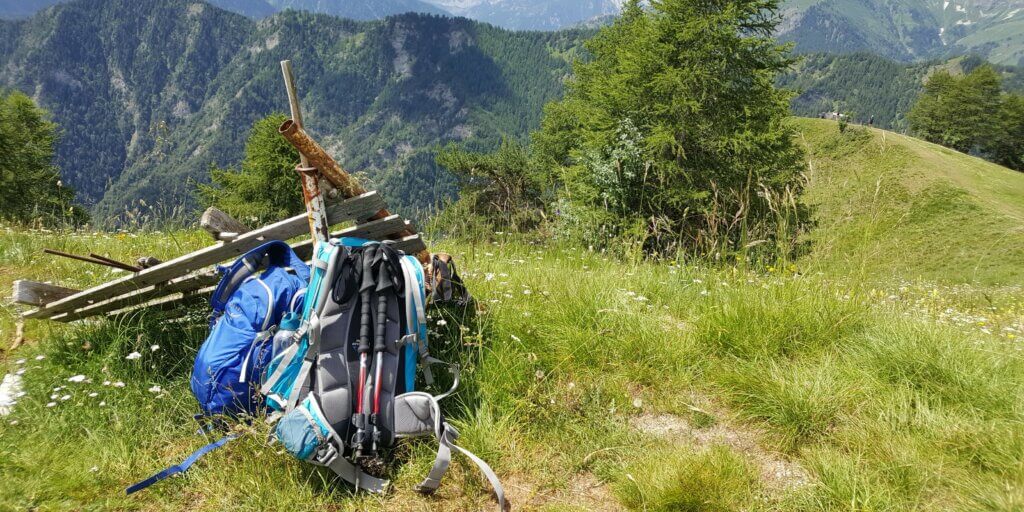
{"points": [[133, 356], [77, 378], [20, 361], [51, 404], [638, 403], [527, 291], [119, 384], [516, 338], [93, 395], [442, 323], [40, 357], [154, 348], [103, 404], [155, 389], [106, 383], [65, 398], [489, 276], [94, 469]]}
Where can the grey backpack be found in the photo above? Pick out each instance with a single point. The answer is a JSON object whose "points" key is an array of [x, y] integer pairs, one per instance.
{"points": [[345, 390]]}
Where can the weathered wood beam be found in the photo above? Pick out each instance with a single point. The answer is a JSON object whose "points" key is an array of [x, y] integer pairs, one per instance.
{"points": [[169, 303], [34, 293], [216, 223], [191, 282], [374, 230], [357, 208], [347, 185], [411, 245]]}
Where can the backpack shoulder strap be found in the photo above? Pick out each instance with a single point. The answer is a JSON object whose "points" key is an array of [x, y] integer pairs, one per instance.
{"points": [[276, 252]]}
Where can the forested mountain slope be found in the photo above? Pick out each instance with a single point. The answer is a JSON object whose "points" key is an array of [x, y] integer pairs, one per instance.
{"points": [[870, 86], [354, 9], [149, 93]]}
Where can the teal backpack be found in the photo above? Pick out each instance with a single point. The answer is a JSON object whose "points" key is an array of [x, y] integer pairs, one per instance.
{"points": [[345, 389]]}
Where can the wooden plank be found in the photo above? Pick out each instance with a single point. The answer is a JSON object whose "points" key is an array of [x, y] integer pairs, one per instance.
{"points": [[411, 245], [193, 281], [34, 293], [360, 207], [216, 223], [373, 230], [167, 304]]}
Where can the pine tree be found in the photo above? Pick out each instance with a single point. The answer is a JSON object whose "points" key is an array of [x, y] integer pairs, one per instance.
{"points": [[265, 187], [674, 131], [30, 183]]}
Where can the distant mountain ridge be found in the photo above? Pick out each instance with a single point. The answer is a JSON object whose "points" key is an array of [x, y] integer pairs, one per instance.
{"points": [[908, 30], [150, 93], [352, 9], [531, 14]]}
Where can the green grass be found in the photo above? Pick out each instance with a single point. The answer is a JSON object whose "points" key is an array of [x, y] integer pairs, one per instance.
{"points": [[595, 384]]}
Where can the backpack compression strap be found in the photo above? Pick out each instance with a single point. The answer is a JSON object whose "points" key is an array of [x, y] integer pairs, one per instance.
{"points": [[182, 467], [418, 414]]}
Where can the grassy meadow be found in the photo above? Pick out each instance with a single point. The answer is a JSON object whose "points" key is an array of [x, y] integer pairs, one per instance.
{"points": [[881, 370]]}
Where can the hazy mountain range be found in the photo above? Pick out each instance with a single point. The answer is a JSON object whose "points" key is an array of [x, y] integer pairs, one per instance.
{"points": [[905, 30]]}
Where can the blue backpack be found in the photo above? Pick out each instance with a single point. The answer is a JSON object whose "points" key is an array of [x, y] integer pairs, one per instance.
{"points": [[248, 304], [247, 307]]}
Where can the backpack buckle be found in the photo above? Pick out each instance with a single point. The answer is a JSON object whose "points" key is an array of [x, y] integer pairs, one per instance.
{"points": [[326, 454]]}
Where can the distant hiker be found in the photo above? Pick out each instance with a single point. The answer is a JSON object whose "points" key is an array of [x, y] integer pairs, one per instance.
{"points": [[871, 121]]}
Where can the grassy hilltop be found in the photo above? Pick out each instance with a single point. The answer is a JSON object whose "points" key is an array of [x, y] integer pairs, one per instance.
{"points": [[881, 370]]}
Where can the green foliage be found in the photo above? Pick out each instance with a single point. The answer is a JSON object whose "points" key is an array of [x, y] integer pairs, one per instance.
{"points": [[871, 85], [957, 112], [1005, 145], [673, 136], [678, 480], [30, 185], [265, 187], [503, 190], [971, 114]]}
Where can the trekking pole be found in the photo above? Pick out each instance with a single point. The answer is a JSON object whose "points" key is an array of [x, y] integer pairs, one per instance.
{"points": [[364, 345], [380, 339], [316, 209]]}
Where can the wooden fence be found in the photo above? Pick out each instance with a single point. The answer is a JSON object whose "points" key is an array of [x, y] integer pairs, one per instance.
{"points": [[167, 284]]}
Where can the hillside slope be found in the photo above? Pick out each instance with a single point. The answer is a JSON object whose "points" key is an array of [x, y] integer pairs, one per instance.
{"points": [[869, 86], [890, 206]]}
